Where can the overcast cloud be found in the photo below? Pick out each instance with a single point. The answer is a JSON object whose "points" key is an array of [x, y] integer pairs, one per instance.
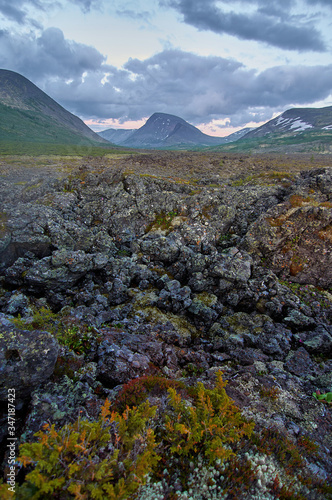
{"points": [[198, 87], [273, 24], [48, 55]]}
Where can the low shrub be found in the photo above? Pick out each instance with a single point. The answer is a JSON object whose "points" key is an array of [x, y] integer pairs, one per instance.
{"points": [[108, 458], [208, 427]]}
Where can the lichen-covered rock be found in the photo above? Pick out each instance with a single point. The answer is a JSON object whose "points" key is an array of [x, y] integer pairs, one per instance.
{"points": [[298, 320], [173, 297], [119, 363], [299, 363], [161, 248], [204, 308], [243, 330], [19, 304], [317, 341], [294, 238], [232, 265], [27, 359]]}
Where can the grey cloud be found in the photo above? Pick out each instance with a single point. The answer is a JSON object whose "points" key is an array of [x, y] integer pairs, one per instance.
{"points": [[47, 56], [325, 3], [294, 84], [87, 5], [272, 25], [196, 88], [141, 16], [18, 11]]}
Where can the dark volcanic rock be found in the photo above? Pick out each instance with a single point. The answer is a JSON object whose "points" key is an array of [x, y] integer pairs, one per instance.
{"points": [[299, 362], [294, 236], [27, 359], [177, 274]]}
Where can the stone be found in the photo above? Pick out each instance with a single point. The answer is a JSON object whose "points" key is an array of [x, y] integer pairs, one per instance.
{"points": [[27, 359], [299, 362]]}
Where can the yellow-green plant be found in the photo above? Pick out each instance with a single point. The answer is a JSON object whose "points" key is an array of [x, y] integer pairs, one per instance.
{"points": [[43, 318], [208, 427], [77, 336], [5, 492], [108, 458]]}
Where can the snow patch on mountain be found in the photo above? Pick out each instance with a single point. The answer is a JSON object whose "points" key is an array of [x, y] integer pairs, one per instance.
{"points": [[299, 125]]}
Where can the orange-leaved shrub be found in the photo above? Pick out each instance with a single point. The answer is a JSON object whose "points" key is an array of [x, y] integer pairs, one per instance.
{"points": [[108, 458], [208, 427]]}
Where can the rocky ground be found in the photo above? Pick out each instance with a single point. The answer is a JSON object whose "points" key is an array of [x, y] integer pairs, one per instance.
{"points": [[176, 265]]}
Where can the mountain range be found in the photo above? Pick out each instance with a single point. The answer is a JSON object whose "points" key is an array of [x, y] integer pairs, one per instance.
{"points": [[27, 114], [295, 130], [165, 131]]}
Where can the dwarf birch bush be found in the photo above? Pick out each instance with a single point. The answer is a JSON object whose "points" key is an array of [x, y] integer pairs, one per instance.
{"points": [[108, 458], [207, 427]]}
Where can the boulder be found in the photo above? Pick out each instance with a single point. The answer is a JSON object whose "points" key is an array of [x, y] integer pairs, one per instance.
{"points": [[27, 359]]}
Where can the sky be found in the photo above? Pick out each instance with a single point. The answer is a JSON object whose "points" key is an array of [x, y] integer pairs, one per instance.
{"points": [[220, 65]]}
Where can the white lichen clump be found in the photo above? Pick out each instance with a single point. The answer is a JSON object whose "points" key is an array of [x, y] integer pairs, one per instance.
{"points": [[208, 482]]}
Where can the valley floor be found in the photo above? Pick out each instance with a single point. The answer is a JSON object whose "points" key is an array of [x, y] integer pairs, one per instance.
{"points": [[147, 281]]}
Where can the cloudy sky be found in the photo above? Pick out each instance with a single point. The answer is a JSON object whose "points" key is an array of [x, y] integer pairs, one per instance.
{"points": [[218, 64]]}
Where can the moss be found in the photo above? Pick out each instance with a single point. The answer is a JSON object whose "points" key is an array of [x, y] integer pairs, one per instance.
{"points": [[269, 393], [144, 306], [200, 440], [292, 456], [162, 221], [138, 390], [66, 365], [207, 426], [243, 181], [208, 299], [309, 293], [69, 332], [225, 237], [326, 233]]}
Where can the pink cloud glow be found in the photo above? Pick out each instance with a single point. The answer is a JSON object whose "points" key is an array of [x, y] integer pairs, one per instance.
{"points": [[216, 128], [99, 125]]}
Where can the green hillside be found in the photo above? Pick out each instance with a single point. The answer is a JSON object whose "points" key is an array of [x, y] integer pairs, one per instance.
{"points": [[34, 126], [32, 122], [318, 141]]}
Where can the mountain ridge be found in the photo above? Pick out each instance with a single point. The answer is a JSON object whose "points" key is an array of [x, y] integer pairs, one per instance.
{"points": [[29, 114], [166, 131], [295, 120], [296, 130]]}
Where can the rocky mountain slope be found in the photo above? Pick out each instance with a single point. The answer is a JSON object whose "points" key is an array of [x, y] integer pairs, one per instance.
{"points": [[165, 131], [140, 274], [296, 120], [298, 130], [29, 115]]}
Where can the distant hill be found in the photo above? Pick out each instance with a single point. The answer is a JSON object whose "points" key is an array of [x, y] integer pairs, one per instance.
{"points": [[27, 114], [116, 135], [237, 135], [297, 130]]}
